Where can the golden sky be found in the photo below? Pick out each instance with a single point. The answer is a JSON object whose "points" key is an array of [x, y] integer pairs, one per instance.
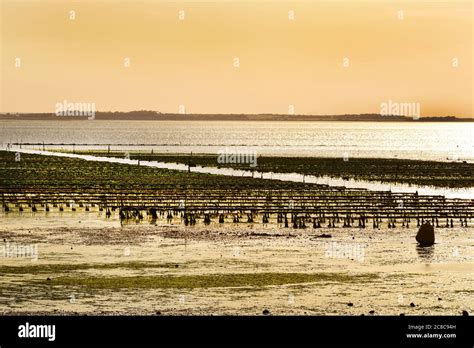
{"points": [[283, 62]]}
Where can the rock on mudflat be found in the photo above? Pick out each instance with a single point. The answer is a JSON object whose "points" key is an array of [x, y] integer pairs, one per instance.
{"points": [[425, 236]]}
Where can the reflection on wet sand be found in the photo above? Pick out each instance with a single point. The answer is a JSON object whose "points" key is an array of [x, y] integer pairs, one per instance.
{"points": [[425, 253]]}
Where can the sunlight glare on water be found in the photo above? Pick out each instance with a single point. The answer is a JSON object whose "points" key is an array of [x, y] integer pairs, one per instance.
{"points": [[439, 141]]}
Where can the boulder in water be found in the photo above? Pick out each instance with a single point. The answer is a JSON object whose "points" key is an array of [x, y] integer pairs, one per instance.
{"points": [[425, 235]]}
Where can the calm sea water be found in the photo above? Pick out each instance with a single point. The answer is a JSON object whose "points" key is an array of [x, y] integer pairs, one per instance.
{"points": [[435, 141]]}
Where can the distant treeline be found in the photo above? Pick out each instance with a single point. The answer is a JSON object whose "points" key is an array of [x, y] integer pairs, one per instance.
{"points": [[153, 115]]}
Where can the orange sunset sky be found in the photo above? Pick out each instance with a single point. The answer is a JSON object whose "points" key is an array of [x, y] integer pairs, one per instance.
{"points": [[424, 57]]}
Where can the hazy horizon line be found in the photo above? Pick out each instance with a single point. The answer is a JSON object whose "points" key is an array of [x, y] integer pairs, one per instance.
{"points": [[233, 114]]}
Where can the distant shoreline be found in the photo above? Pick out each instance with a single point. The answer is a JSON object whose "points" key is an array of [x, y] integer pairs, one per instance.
{"points": [[155, 116]]}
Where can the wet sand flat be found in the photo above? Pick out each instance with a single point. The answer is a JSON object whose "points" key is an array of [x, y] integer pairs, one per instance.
{"points": [[97, 266]]}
